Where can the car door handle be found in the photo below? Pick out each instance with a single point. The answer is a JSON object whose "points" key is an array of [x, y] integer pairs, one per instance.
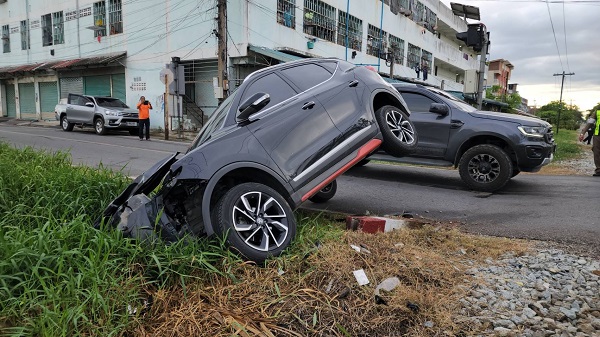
{"points": [[308, 105], [353, 83], [455, 124]]}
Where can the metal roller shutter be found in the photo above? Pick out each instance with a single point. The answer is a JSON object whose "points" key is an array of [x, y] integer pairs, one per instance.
{"points": [[71, 85], [26, 98], [48, 96], [118, 86], [97, 85], [11, 104]]}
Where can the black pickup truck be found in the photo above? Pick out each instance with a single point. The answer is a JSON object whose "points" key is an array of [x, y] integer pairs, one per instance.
{"points": [[488, 148]]}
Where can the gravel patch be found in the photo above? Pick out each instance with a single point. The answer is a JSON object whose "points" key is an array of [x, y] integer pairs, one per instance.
{"points": [[546, 293], [583, 165]]}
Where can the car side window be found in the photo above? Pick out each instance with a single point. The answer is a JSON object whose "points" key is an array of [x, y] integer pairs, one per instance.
{"points": [[273, 85], [74, 99], [417, 102], [307, 76]]}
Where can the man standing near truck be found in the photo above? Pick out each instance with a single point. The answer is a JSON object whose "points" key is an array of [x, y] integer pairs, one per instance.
{"points": [[594, 121], [144, 107]]}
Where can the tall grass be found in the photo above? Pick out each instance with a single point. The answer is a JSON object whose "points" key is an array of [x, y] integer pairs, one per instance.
{"points": [[61, 277], [566, 145]]}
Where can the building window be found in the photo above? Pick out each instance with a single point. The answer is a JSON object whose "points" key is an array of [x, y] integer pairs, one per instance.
{"points": [[430, 20], [25, 41], [115, 17], [319, 20], [5, 39], [286, 13], [376, 41], [58, 28], [99, 18], [397, 49], [418, 11], [426, 58], [354, 31], [47, 30], [413, 59]]}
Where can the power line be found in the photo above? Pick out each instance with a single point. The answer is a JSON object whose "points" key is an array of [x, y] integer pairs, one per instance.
{"points": [[554, 33], [565, 30]]}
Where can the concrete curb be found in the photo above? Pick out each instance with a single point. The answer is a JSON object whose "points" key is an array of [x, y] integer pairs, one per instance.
{"points": [[373, 224]]}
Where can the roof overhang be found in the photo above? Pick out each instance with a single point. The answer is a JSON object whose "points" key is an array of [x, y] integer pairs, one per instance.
{"points": [[274, 54], [80, 63]]}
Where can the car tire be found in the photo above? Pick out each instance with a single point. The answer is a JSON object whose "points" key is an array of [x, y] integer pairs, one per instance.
{"points": [[99, 126], [399, 133], [485, 168], [134, 132], [255, 232], [65, 124], [325, 194]]}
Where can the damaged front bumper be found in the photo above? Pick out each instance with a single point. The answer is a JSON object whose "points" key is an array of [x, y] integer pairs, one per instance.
{"points": [[137, 215]]}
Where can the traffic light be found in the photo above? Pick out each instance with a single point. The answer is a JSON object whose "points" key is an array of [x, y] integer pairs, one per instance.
{"points": [[474, 36]]}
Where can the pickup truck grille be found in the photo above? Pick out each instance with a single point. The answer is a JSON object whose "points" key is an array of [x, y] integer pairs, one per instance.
{"points": [[130, 114], [549, 136]]}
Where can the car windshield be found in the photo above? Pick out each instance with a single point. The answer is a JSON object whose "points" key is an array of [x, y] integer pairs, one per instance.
{"points": [[214, 123], [458, 102], [107, 102]]}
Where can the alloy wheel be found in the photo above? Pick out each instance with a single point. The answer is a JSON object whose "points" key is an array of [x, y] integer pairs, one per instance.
{"points": [[260, 221], [484, 168], [400, 126]]}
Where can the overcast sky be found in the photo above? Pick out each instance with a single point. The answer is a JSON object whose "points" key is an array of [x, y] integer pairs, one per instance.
{"points": [[521, 32]]}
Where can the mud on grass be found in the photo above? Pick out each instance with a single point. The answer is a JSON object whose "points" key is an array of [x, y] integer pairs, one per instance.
{"points": [[317, 294]]}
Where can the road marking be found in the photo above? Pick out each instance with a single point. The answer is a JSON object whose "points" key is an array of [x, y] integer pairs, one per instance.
{"points": [[86, 141]]}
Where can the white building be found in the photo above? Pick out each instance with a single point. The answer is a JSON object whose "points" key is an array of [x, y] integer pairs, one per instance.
{"points": [[118, 47]]}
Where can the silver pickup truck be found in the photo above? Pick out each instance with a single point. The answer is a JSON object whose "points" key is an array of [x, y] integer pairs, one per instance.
{"points": [[103, 113]]}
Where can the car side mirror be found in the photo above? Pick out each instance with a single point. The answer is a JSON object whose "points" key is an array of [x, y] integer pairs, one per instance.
{"points": [[89, 104], [252, 105], [439, 108]]}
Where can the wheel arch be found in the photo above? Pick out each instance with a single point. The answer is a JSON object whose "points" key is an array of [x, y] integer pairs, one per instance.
{"points": [[489, 139], [381, 98], [235, 174]]}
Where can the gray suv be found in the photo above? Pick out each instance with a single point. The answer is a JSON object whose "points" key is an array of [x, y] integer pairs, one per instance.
{"points": [[281, 139], [103, 113]]}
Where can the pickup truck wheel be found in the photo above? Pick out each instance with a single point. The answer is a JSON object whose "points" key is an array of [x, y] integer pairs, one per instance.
{"points": [[485, 168], [256, 221], [325, 193], [399, 133], [99, 126], [65, 125]]}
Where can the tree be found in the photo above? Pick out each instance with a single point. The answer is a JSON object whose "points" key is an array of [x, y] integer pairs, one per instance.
{"points": [[513, 100], [570, 116]]}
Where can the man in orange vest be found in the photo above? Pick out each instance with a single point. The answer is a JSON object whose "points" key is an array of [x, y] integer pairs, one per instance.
{"points": [[594, 121], [144, 107]]}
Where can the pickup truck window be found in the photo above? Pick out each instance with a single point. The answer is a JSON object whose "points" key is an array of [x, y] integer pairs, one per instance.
{"points": [[417, 102], [459, 103], [78, 100], [107, 102]]}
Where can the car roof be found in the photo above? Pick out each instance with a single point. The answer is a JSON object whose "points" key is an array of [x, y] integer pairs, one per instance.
{"points": [[296, 62]]}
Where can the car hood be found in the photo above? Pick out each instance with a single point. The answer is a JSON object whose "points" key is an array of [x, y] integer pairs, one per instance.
{"points": [[500, 116], [144, 184]]}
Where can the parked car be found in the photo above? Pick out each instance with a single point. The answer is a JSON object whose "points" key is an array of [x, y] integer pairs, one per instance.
{"points": [[281, 139], [488, 148], [103, 113], [60, 108]]}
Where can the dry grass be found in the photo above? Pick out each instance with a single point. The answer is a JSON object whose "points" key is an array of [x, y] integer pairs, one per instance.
{"points": [[319, 296]]}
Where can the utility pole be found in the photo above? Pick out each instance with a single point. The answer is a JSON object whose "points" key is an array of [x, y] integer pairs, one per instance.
{"points": [[483, 58], [222, 49], [561, 91], [391, 54]]}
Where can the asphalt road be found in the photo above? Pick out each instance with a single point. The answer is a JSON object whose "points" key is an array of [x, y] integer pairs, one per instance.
{"points": [[563, 209]]}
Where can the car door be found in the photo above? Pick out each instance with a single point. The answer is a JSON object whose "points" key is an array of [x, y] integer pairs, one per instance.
{"points": [[341, 95], [77, 111], [294, 128], [433, 128]]}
